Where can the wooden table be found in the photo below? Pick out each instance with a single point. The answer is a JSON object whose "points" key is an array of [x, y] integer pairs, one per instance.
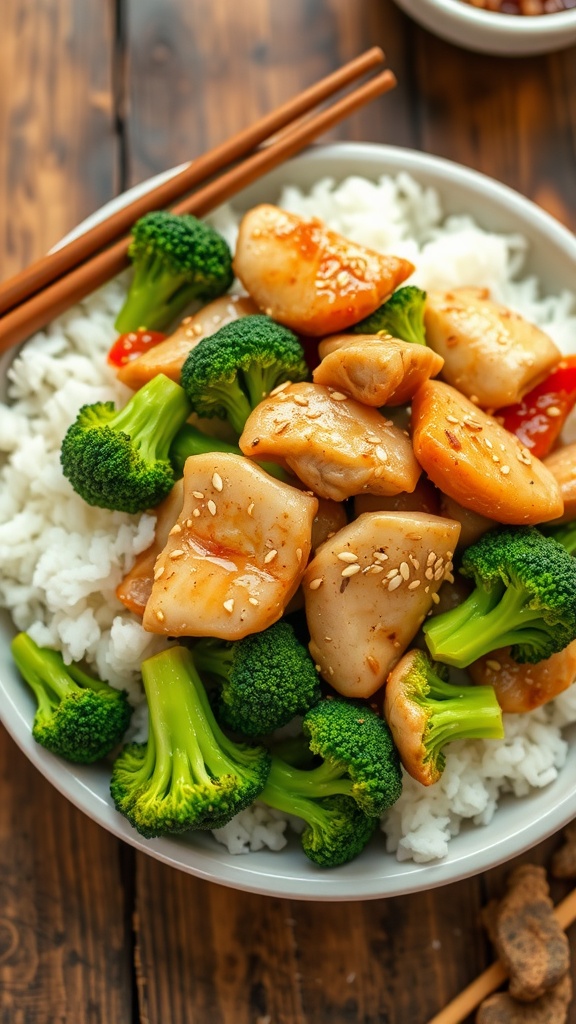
{"points": [[95, 97]]}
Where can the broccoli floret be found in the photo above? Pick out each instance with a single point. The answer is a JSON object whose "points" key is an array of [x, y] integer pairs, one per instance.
{"points": [[359, 756], [79, 717], [191, 441], [120, 459], [425, 712], [189, 775], [565, 535], [524, 598], [337, 830], [402, 316], [267, 678], [177, 259], [231, 371]]}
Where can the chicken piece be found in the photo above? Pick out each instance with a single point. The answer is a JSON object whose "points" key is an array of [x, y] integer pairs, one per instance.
{"points": [[564, 859], [526, 935], [521, 688], [489, 352], [376, 370], [472, 525], [551, 1008], [336, 446], [368, 590], [168, 356], [474, 460], [424, 498], [135, 589], [235, 556], [330, 517], [562, 465], [309, 278]]}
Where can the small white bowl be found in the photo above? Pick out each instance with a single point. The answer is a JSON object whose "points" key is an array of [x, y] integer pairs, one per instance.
{"points": [[508, 35]]}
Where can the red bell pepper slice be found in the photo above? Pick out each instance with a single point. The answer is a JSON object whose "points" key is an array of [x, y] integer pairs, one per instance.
{"points": [[131, 345], [539, 418]]}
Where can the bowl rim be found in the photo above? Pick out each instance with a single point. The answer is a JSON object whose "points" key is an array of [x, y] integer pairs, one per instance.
{"points": [[246, 872], [526, 26]]}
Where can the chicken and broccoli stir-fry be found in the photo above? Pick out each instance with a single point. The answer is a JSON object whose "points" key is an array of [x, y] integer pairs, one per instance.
{"points": [[350, 479]]}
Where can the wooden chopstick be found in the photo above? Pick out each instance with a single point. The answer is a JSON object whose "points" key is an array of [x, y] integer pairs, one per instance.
{"points": [[46, 270], [492, 978], [42, 307]]}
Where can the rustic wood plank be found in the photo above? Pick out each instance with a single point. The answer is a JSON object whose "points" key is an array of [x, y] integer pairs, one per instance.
{"points": [[56, 113], [65, 950]]}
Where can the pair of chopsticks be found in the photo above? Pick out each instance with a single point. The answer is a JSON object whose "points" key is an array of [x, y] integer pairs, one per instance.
{"points": [[54, 283], [495, 976]]}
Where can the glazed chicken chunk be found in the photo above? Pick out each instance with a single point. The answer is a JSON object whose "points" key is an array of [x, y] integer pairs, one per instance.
{"points": [[521, 688], [168, 356], [490, 353], [368, 590], [336, 446], [308, 277], [375, 370], [235, 555], [562, 465], [135, 589]]}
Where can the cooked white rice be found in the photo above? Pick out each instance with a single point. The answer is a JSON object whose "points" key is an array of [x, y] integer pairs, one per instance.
{"points": [[60, 560]]}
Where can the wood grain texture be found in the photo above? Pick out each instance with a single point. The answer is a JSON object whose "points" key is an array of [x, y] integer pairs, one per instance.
{"points": [[65, 949], [58, 157]]}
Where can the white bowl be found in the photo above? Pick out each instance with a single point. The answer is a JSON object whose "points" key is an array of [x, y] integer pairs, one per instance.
{"points": [[519, 823], [508, 35]]}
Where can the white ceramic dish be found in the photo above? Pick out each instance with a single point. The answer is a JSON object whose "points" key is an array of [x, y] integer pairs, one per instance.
{"points": [[507, 35], [519, 823]]}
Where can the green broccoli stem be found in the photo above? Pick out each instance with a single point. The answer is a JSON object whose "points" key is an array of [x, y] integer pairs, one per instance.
{"points": [[312, 784], [191, 441], [157, 294], [153, 416], [484, 622], [278, 794], [188, 740], [214, 657], [259, 381], [457, 713]]}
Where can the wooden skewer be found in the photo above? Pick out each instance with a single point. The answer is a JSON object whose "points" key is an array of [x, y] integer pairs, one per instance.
{"points": [[30, 316], [46, 270], [492, 978]]}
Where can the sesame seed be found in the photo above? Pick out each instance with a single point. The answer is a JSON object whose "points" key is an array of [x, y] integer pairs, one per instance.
{"points": [[270, 556], [300, 400], [314, 584], [338, 396], [217, 482], [372, 663], [250, 508], [281, 387], [189, 523], [495, 458], [404, 570], [160, 616], [378, 472], [379, 556], [318, 668], [211, 507], [452, 419], [505, 470], [415, 562], [435, 599], [426, 590], [158, 572], [282, 427], [196, 513], [488, 442], [373, 438], [448, 577], [254, 601], [439, 573], [438, 563], [390, 575], [299, 554], [330, 670], [381, 454], [395, 583], [502, 447], [429, 573], [375, 569], [347, 556], [198, 494], [493, 664], [414, 584], [176, 553], [431, 558], [449, 554], [351, 570], [553, 411], [229, 605], [175, 529]]}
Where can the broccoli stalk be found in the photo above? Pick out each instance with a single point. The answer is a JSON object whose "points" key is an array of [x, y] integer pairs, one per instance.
{"points": [[120, 459], [176, 259], [191, 441], [228, 373], [266, 679], [425, 713], [78, 717], [524, 598], [337, 830], [188, 775], [402, 316]]}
